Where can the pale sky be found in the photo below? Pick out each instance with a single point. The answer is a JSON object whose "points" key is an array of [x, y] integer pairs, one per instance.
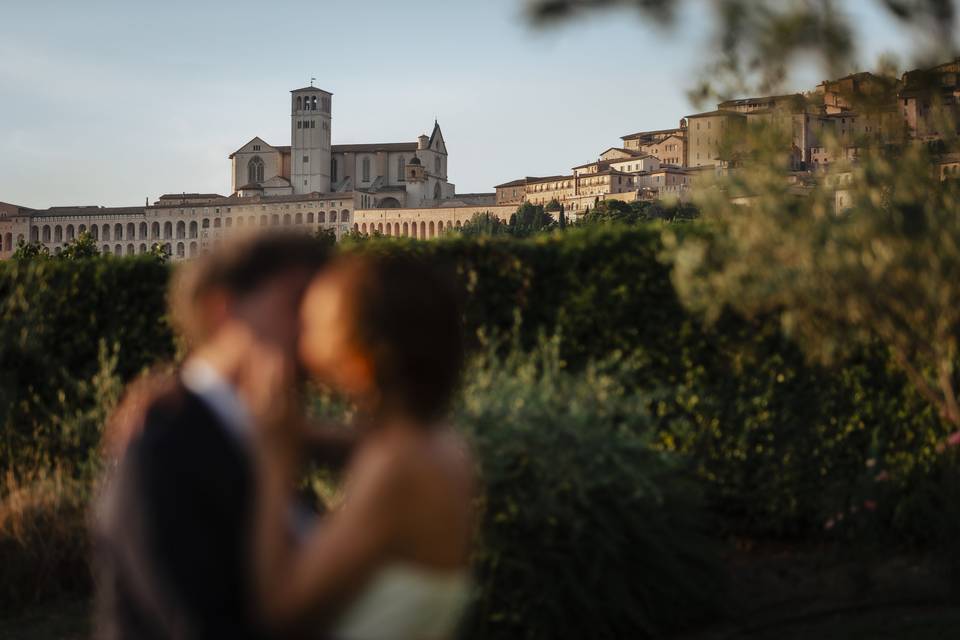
{"points": [[110, 102]]}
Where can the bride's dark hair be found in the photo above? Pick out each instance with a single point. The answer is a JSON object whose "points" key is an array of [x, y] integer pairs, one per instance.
{"points": [[407, 320]]}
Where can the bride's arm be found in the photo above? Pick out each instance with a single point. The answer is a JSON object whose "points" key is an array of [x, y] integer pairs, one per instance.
{"points": [[315, 579]]}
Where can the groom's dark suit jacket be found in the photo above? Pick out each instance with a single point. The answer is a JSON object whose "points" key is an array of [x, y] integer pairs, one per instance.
{"points": [[172, 547]]}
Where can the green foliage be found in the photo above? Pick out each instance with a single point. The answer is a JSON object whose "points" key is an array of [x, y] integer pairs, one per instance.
{"points": [[530, 219], [83, 247], [59, 322], [484, 224], [587, 532], [31, 251]]}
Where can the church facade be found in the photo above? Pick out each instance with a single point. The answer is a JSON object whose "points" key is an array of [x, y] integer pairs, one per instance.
{"points": [[309, 185], [387, 175]]}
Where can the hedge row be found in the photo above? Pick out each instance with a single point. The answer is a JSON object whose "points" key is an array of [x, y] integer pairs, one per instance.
{"points": [[783, 446]]}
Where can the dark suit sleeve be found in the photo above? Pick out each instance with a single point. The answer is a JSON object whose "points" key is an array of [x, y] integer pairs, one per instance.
{"points": [[183, 546]]}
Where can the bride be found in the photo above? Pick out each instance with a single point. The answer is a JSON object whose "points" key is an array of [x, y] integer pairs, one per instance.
{"points": [[391, 562]]}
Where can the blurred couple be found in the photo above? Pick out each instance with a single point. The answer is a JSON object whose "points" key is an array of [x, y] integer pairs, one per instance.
{"points": [[198, 531]]}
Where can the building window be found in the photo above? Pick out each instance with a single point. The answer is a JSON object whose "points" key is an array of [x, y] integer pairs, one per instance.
{"points": [[256, 147], [299, 124], [255, 170], [306, 159], [333, 170], [366, 169], [313, 124], [401, 168]]}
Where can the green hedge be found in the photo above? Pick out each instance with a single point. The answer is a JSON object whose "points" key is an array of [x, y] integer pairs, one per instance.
{"points": [[781, 445], [63, 324]]}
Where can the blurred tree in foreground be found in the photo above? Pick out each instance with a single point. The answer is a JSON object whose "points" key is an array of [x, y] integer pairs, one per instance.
{"points": [[754, 42]]}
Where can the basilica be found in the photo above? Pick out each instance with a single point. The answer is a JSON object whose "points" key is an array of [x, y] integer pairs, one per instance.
{"points": [[388, 175]]}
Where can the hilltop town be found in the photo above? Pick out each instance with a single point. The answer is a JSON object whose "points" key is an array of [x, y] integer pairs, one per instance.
{"points": [[402, 188]]}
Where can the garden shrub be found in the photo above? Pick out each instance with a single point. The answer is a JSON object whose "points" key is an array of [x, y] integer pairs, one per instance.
{"points": [[587, 532]]}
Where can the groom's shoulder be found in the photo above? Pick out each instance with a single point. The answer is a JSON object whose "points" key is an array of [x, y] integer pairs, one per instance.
{"points": [[175, 422]]}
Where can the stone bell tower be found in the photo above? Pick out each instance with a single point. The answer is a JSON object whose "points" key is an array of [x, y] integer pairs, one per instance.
{"points": [[310, 121]]}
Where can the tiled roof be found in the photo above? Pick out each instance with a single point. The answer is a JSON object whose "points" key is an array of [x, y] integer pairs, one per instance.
{"points": [[374, 148], [311, 89], [716, 112], [644, 134]]}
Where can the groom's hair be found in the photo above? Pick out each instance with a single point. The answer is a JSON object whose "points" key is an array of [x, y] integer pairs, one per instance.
{"points": [[240, 268]]}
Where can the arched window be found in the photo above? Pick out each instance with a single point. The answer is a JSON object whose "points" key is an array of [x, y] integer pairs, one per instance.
{"points": [[143, 231], [228, 222], [118, 250], [94, 232], [344, 216], [106, 250], [70, 234], [366, 169], [255, 170], [8, 242], [286, 219], [299, 103], [130, 250], [252, 221], [143, 248], [167, 230], [298, 219], [193, 249], [239, 221], [313, 104], [401, 168], [433, 230], [35, 234], [356, 227], [46, 233], [216, 223], [310, 218], [333, 216], [423, 230], [118, 233], [363, 228], [206, 223], [131, 231], [275, 220], [193, 229], [322, 216], [155, 231], [406, 229], [263, 221], [380, 227], [58, 234], [180, 250], [181, 230], [413, 230]]}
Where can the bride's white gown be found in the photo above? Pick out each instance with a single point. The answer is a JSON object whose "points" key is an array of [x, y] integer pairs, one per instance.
{"points": [[406, 602]]}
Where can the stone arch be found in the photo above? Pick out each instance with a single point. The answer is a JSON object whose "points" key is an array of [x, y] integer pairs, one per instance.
{"points": [[356, 227], [8, 242], [143, 248], [70, 233], [286, 219], [310, 217], [181, 230], [46, 233], [298, 219], [131, 231], [193, 249], [433, 230], [94, 232], [193, 229], [333, 216], [143, 231], [388, 203], [58, 234], [181, 250], [118, 249], [106, 250], [406, 229], [380, 227], [155, 231], [321, 216], [34, 234], [423, 230], [344, 216], [275, 220], [118, 232], [130, 249], [263, 221], [167, 230], [363, 228]]}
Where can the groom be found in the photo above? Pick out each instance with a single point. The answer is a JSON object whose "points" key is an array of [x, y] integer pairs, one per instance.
{"points": [[172, 542]]}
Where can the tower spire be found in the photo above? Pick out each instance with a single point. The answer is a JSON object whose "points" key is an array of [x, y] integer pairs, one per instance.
{"points": [[312, 80]]}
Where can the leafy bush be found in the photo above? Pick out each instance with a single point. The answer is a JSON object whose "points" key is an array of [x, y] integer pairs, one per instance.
{"points": [[587, 532], [59, 321]]}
